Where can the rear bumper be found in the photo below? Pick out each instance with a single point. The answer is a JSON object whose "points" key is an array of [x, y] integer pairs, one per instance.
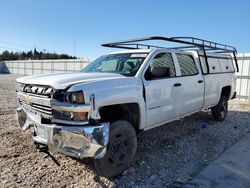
{"points": [[75, 141]]}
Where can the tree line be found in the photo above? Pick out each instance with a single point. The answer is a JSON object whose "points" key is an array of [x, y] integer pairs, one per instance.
{"points": [[32, 54]]}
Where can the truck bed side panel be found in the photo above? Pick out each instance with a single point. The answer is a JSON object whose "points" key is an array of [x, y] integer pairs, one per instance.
{"points": [[213, 86]]}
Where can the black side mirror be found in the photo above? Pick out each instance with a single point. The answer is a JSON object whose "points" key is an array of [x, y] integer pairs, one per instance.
{"points": [[148, 74], [160, 72], [157, 72]]}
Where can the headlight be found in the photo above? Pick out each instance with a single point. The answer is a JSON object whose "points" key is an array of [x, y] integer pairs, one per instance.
{"points": [[20, 86], [74, 97]]}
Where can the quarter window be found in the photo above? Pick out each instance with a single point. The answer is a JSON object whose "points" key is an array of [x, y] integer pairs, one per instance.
{"points": [[187, 64]]}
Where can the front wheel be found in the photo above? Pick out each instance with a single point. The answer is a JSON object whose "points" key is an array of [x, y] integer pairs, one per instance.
{"points": [[121, 149], [219, 111]]}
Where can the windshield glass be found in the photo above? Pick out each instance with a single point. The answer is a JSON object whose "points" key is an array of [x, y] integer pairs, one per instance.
{"points": [[126, 64]]}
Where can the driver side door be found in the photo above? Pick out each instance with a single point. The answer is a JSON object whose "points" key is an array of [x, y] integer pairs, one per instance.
{"points": [[162, 93]]}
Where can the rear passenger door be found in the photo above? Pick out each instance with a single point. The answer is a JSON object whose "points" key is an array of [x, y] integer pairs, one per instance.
{"points": [[191, 83]]}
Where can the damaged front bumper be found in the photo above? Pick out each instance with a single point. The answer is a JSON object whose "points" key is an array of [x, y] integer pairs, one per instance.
{"points": [[72, 140]]}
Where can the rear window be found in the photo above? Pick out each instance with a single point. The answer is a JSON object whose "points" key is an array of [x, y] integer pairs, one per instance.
{"points": [[187, 64]]}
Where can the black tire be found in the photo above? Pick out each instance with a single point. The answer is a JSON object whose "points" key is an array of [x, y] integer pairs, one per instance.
{"points": [[219, 111], [121, 149]]}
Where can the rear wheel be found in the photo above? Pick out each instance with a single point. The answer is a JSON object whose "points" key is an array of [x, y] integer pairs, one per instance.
{"points": [[219, 111], [120, 150]]}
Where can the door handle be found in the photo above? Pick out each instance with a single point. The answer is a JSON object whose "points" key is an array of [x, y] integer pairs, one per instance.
{"points": [[177, 84], [200, 81]]}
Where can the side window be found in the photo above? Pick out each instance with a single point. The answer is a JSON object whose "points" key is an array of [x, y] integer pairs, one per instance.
{"points": [[162, 66], [187, 64]]}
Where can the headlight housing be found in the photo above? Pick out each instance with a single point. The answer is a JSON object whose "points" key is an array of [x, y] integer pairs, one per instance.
{"points": [[19, 86], [74, 97]]}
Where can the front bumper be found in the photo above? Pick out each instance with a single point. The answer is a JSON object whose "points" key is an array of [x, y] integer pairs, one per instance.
{"points": [[76, 141]]}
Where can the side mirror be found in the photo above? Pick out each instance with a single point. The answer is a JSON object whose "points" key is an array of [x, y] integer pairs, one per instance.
{"points": [[148, 74], [160, 72]]}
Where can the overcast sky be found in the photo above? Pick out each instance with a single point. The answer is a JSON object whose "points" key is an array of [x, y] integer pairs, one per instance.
{"points": [[53, 26]]}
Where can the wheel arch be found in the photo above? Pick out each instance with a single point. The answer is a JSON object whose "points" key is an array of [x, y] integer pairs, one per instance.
{"points": [[226, 91], [127, 111]]}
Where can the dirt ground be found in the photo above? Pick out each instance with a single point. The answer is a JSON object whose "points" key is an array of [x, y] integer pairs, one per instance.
{"points": [[166, 155]]}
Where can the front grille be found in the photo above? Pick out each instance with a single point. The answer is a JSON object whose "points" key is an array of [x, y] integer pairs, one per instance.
{"points": [[37, 99], [38, 90], [37, 107]]}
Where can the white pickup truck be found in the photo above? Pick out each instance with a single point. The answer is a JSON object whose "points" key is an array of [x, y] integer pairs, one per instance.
{"points": [[99, 111]]}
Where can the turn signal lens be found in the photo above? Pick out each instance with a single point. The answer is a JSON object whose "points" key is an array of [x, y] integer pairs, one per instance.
{"points": [[80, 99], [80, 115]]}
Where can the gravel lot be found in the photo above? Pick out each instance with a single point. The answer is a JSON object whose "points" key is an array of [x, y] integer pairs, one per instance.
{"points": [[165, 154]]}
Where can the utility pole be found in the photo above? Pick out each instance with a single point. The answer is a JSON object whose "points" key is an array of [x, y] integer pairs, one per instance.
{"points": [[74, 47], [44, 50]]}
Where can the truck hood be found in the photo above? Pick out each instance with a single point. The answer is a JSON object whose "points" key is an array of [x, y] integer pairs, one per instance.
{"points": [[63, 80]]}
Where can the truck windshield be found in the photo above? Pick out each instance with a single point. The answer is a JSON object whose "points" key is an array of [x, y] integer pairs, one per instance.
{"points": [[126, 64]]}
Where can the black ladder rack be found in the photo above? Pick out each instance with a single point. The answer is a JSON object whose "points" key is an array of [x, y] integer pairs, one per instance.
{"points": [[191, 43]]}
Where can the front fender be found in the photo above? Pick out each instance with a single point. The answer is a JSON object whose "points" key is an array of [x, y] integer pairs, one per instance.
{"points": [[112, 92]]}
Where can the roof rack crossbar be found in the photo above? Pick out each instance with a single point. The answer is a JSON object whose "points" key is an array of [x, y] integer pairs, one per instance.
{"points": [[182, 47], [191, 42], [205, 43], [184, 40], [137, 46]]}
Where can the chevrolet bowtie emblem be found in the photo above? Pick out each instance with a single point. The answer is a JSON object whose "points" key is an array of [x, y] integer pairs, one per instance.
{"points": [[27, 99]]}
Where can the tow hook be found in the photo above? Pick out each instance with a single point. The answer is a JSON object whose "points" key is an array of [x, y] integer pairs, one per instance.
{"points": [[45, 149]]}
